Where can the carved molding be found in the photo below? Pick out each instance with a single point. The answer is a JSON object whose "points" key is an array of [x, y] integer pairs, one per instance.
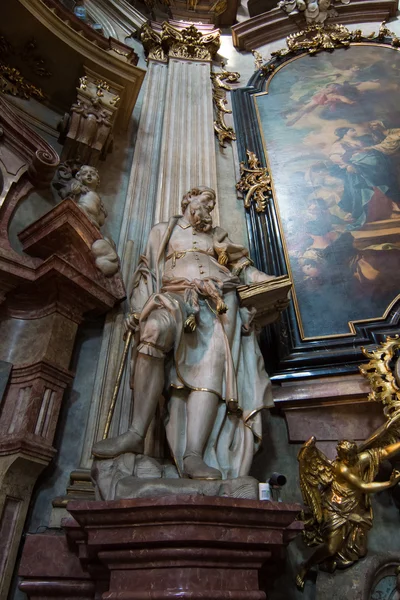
{"points": [[220, 87]]}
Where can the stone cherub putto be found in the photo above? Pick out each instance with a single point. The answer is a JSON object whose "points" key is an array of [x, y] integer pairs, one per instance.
{"points": [[81, 184], [84, 190], [195, 345]]}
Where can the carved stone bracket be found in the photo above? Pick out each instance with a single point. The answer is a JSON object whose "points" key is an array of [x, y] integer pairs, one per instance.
{"points": [[174, 42], [254, 183], [220, 85], [87, 130]]}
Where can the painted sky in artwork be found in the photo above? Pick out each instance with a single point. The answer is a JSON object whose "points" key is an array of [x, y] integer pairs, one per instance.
{"points": [[331, 128]]}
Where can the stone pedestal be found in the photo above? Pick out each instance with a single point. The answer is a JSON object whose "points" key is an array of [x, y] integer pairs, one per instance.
{"points": [[186, 546]]}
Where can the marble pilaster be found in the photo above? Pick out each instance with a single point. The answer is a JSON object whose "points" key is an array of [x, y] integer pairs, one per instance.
{"points": [[136, 224], [188, 146]]}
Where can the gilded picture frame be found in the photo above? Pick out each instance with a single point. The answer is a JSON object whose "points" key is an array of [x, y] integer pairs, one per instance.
{"points": [[324, 126]]}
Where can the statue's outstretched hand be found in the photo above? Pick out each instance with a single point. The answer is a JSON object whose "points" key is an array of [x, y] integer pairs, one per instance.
{"points": [[395, 477]]}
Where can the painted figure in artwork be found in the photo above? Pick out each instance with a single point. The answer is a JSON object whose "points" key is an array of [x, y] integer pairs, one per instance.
{"points": [[196, 346], [332, 135]]}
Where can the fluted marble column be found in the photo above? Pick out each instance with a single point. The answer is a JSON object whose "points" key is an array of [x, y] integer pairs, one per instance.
{"points": [[188, 146]]}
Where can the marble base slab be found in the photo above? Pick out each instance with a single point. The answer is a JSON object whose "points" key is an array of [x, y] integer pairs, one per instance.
{"points": [[140, 476], [191, 547]]}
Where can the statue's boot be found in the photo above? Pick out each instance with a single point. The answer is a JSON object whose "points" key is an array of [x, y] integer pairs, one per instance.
{"points": [[195, 468], [130, 441]]}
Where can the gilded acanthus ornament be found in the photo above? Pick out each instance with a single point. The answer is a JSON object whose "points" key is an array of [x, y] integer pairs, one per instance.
{"points": [[151, 41], [190, 42], [172, 42], [254, 183], [220, 87], [337, 493]]}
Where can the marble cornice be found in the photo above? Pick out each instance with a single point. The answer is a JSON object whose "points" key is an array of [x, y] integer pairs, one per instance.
{"points": [[112, 60], [119, 12], [275, 24], [180, 41]]}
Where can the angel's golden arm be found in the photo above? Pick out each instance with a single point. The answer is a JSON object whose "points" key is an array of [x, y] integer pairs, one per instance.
{"points": [[390, 451], [358, 484]]}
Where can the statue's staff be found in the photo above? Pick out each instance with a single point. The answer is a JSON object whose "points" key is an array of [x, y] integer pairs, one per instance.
{"points": [[117, 385]]}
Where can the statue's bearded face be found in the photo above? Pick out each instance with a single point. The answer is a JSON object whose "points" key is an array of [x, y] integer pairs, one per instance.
{"points": [[198, 212]]}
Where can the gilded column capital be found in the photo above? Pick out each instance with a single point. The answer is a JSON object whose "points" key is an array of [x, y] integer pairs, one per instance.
{"points": [[190, 43], [151, 41], [169, 41]]}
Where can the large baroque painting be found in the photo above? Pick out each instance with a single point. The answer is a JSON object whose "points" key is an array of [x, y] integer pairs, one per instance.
{"points": [[330, 125]]}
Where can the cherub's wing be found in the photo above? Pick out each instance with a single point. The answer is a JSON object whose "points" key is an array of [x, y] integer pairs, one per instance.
{"points": [[315, 473]]}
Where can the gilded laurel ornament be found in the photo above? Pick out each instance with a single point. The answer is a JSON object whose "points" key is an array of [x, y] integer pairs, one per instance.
{"points": [[221, 85], [254, 183]]}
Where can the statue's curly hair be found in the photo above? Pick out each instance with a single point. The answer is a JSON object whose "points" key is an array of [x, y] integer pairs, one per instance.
{"points": [[345, 447], [194, 192]]}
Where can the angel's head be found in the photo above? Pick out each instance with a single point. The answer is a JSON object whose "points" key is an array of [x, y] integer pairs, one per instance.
{"points": [[347, 452]]}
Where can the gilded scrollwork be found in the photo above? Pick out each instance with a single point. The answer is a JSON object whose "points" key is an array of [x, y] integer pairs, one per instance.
{"points": [[221, 81], [12, 82], [383, 374], [318, 37], [254, 183]]}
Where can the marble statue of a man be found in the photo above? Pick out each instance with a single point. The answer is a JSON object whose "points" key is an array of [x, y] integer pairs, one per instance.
{"points": [[196, 346]]}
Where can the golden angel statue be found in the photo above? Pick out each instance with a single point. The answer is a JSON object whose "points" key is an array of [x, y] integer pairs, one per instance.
{"points": [[337, 494]]}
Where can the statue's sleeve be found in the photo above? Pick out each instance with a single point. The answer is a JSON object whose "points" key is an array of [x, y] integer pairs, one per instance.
{"points": [[236, 258], [144, 278]]}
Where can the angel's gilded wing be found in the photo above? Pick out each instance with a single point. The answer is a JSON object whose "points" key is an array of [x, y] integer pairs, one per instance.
{"points": [[315, 473]]}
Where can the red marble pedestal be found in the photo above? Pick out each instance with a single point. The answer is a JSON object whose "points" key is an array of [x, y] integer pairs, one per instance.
{"points": [[156, 549]]}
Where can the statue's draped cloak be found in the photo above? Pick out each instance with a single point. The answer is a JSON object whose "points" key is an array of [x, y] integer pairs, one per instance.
{"points": [[221, 355]]}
